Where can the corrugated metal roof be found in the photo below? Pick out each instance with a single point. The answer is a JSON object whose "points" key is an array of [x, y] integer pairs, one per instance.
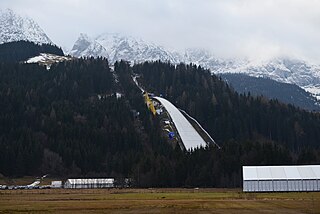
{"points": [[91, 180], [281, 172], [189, 136]]}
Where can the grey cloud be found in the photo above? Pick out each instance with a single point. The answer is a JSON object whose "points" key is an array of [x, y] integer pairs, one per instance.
{"points": [[229, 28]]}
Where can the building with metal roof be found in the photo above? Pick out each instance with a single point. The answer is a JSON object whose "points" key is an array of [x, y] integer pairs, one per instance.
{"points": [[89, 183], [281, 178], [189, 136]]}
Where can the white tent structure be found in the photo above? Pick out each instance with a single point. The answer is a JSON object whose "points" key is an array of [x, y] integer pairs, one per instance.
{"points": [[281, 178], [56, 184], [189, 136], [90, 183]]}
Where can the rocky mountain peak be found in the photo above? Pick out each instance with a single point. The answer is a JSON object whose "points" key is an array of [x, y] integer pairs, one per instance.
{"points": [[14, 27]]}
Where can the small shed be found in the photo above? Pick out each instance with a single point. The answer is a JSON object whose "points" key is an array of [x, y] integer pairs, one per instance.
{"points": [[56, 184], [89, 183], [281, 178]]}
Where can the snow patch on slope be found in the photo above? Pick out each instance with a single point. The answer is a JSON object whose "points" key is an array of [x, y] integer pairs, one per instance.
{"points": [[314, 90], [47, 59]]}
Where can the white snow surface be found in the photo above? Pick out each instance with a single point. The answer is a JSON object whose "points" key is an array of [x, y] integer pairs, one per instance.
{"points": [[301, 73], [14, 27], [189, 136], [36, 59], [87, 47], [48, 59], [314, 90], [118, 47], [292, 71], [45, 57]]}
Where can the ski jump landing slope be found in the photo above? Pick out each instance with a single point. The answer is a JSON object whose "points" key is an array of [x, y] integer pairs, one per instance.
{"points": [[189, 136]]}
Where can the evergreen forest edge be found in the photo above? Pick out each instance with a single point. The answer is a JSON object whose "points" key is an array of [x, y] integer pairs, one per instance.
{"points": [[53, 121]]}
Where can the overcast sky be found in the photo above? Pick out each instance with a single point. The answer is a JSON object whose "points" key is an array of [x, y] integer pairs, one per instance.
{"points": [[257, 29]]}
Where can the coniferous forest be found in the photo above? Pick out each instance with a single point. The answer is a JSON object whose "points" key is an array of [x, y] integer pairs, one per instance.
{"points": [[23, 50], [68, 122]]}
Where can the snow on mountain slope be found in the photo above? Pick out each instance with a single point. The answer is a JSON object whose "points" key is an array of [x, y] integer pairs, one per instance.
{"points": [[47, 59], [298, 72], [14, 27], [116, 47], [285, 70], [86, 46], [133, 49]]}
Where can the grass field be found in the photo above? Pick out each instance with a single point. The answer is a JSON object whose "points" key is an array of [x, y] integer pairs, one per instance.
{"points": [[156, 201]]}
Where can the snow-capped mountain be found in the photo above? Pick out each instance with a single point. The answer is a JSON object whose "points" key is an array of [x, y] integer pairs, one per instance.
{"points": [[14, 27], [116, 47], [285, 70], [86, 46], [293, 71], [285, 92]]}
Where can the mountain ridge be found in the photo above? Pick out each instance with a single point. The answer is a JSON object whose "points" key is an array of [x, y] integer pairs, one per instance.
{"points": [[286, 70], [286, 92], [115, 47], [14, 27]]}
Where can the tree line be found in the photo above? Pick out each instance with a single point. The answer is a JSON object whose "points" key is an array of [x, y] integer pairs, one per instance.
{"points": [[22, 50], [67, 122]]}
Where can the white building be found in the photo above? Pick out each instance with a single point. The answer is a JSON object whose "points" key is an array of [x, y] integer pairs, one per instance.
{"points": [[56, 184], [85, 183], [281, 178]]}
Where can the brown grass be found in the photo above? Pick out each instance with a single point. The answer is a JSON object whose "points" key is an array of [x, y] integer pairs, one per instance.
{"points": [[156, 201]]}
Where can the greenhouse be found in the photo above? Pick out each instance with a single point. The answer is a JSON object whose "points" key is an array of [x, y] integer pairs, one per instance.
{"points": [[85, 183], [281, 178]]}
